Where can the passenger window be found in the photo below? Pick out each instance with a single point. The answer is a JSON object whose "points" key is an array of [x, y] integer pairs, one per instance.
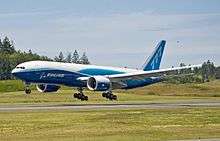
{"points": [[20, 67]]}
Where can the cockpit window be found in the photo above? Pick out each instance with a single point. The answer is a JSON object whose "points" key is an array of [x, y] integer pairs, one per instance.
{"points": [[20, 67]]}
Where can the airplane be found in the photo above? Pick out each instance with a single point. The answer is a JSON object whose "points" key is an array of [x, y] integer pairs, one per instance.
{"points": [[49, 76]]}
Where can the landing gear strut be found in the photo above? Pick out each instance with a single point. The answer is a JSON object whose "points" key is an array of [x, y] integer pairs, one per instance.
{"points": [[80, 95], [27, 88], [109, 95]]}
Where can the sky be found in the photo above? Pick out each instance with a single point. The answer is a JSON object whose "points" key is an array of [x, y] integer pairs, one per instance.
{"points": [[115, 32]]}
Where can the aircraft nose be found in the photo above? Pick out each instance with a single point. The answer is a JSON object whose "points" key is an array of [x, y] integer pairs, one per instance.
{"points": [[14, 71]]}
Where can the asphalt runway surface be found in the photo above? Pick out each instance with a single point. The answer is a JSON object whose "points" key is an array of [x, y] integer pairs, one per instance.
{"points": [[109, 106]]}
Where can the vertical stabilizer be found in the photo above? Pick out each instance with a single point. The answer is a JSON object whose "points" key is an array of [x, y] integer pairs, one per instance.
{"points": [[153, 61]]}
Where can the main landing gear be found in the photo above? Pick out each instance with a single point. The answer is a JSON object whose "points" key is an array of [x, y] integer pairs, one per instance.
{"points": [[109, 95], [27, 88], [80, 95]]}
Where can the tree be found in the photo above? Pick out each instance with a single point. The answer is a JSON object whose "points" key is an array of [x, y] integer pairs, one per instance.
{"points": [[84, 59], [182, 65], [7, 46], [9, 58], [182, 71], [75, 57], [211, 68], [30, 51], [68, 58], [208, 70], [217, 73], [60, 58], [0, 44]]}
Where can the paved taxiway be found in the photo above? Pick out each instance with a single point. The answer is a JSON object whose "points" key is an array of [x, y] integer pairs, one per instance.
{"points": [[108, 106]]}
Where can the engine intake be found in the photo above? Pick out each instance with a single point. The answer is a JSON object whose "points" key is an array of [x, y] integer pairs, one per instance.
{"points": [[43, 88], [98, 83]]}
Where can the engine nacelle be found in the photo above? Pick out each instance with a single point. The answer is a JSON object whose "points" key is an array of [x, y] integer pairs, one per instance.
{"points": [[43, 88], [98, 83]]}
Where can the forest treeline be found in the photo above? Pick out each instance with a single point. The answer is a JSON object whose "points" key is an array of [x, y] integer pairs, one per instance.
{"points": [[10, 57], [207, 72]]}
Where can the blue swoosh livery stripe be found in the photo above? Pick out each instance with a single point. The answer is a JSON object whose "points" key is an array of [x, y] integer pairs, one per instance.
{"points": [[100, 72]]}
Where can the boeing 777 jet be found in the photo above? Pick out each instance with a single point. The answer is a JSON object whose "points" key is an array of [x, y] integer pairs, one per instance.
{"points": [[48, 76]]}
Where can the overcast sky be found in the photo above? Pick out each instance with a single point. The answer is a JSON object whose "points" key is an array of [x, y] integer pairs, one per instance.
{"points": [[115, 32]]}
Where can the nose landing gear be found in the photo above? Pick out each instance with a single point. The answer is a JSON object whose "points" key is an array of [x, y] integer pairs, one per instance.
{"points": [[27, 88], [27, 91]]}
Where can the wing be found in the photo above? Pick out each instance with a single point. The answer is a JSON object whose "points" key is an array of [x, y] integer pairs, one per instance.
{"points": [[119, 79], [148, 74]]}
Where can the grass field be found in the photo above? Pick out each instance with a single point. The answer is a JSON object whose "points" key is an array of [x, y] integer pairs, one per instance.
{"points": [[12, 85], [152, 125], [129, 124], [155, 93]]}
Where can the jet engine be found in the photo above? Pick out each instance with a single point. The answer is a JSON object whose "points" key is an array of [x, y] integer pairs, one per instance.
{"points": [[98, 83], [43, 88]]}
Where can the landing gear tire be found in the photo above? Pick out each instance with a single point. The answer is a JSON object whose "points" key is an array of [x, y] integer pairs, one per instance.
{"points": [[109, 96], [114, 97], [80, 95], [28, 91], [76, 95], [84, 98], [104, 94]]}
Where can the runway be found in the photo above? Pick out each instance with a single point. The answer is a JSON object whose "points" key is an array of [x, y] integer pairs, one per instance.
{"points": [[108, 106]]}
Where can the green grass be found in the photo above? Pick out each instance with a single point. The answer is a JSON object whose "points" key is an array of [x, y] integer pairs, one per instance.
{"points": [[12, 86], [210, 89], [65, 97], [152, 125], [155, 93], [130, 124]]}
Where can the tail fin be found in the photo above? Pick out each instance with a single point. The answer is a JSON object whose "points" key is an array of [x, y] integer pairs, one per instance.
{"points": [[153, 62]]}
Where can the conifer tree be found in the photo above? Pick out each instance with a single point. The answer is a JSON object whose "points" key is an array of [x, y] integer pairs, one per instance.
{"points": [[75, 57], [68, 58], [7, 46], [60, 58], [84, 59]]}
